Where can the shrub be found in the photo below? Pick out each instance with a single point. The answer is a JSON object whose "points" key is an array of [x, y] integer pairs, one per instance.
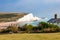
{"points": [[13, 29], [45, 27], [28, 27], [5, 31]]}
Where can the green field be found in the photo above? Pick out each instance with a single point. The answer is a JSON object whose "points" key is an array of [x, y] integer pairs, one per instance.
{"points": [[34, 36]]}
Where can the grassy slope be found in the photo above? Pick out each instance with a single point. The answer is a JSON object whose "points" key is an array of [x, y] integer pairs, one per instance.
{"points": [[41, 36], [5, 17]]}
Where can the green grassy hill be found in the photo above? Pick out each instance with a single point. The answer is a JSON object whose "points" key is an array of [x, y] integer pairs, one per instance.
{"points": [[6, 16]]}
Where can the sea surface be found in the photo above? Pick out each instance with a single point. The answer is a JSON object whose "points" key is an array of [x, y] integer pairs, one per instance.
{"points": [[34, 23]]}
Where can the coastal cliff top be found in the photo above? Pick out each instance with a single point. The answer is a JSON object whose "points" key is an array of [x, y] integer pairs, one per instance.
{"points": [[10, 16]]}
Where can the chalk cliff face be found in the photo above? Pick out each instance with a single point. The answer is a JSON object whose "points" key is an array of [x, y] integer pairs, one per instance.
{"points": [[25, 19], [28, 18]]}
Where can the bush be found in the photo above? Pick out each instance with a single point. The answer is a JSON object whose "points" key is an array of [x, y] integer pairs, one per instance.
{"points": [[28, 28], [5, 31], [45, 27], [13, 29]]}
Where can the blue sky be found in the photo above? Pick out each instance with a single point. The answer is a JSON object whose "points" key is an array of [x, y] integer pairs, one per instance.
{"points": [[40, 8]]}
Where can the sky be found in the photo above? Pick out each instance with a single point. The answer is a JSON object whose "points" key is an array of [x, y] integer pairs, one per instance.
{"points": [[39, 8]]}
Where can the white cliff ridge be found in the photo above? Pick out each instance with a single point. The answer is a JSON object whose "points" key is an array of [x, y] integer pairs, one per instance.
{"points": [[28, 18]]}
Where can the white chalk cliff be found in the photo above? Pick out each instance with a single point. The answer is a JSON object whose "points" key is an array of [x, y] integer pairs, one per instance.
{"points": [[28, 18]]}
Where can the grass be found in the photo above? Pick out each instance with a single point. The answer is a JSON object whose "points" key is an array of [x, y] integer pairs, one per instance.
{"points": [[33, 36]]}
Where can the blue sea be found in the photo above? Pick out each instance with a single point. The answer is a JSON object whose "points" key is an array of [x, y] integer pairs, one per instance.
{"points": [[34, 23]]}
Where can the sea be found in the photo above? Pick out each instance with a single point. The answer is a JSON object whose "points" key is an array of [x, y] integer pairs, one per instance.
{"points": [[34, 23]]}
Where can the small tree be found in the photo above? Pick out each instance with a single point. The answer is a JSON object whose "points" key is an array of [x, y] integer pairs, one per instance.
{"points": [[28, 27], [43, 25]]}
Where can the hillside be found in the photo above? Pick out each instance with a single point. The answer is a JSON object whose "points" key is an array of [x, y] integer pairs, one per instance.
{"points": [[6, 17]]}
